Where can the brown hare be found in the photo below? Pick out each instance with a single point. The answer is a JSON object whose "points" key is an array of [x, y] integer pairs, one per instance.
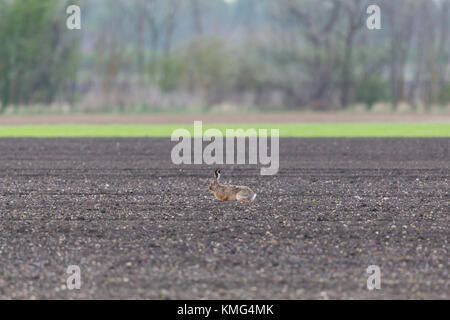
{"points": [[230, 193]]}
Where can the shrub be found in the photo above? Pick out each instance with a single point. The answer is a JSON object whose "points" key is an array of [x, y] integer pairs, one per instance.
{"points": [[444, 94], [372, 90]]}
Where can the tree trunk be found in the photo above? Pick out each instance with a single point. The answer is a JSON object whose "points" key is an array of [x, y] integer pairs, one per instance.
{"points": [[346, 73]]}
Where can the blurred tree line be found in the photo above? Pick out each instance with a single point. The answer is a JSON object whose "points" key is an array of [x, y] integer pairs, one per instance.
{"points": [[38, 60], [195, 53]]}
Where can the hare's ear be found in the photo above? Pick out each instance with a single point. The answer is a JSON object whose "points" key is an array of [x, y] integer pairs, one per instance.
{"points": [[217, 174]]}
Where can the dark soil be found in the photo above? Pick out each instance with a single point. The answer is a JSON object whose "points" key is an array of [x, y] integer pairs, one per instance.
{"points": [[140, 227]]}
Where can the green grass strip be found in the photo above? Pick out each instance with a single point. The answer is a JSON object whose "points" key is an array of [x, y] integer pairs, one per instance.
{"points": [[285, 130]]}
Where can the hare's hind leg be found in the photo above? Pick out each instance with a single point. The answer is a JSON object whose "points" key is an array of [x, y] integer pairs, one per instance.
{"points": [[244, 196]]}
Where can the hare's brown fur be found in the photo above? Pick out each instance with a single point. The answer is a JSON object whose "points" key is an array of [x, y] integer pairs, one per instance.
{"points": [[230, 193]]}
